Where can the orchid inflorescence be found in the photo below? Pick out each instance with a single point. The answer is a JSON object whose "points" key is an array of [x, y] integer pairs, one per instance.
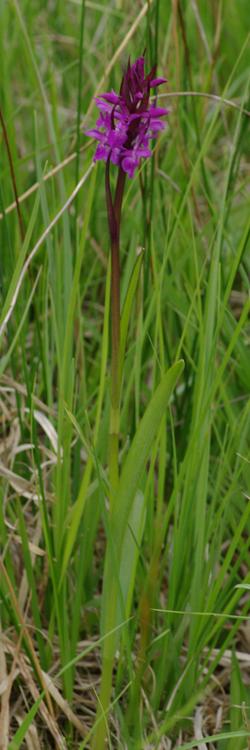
{"points": [[127, 120]]}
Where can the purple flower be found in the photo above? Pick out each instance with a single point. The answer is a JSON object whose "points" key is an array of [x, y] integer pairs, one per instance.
{"points": [[127, 121]]}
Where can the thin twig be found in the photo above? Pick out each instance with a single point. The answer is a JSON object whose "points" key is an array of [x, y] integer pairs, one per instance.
{"points": [[204, 94], [36, 185]]}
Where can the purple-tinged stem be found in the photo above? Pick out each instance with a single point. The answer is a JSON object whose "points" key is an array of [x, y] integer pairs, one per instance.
{"points": [[13, 176], [119, 195], [114, 221]]}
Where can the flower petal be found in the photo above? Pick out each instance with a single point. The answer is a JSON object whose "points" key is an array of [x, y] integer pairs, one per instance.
{"points": [[111, 97], [94, 133], [157, 82], [157, 112]]}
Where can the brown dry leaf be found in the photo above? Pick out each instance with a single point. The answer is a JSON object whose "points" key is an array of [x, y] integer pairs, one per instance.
{"points": [[4, 411], [226, 658], [64, 706], [23, 447], [13, 385], [9, 442], [20, 485], [48, 719], [5, 681], [198, 735], [32, 547], [6, 687], [24, 631], [47, 427]]}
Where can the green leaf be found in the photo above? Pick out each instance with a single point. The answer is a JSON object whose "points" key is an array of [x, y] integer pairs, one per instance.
{"points": [[238, 697], [26, 723], [214, 738], [114, 586], [130, 551], [140, 449], [79, 505]]}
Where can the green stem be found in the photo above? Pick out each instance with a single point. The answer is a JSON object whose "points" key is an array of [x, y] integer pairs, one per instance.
{"points": [[99, 739]]}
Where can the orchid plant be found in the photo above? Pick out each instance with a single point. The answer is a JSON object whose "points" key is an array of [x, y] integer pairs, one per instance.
{"points": [[126, 124]]}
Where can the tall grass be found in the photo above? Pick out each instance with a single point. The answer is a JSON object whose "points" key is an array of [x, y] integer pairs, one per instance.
{"points": [[126, 629]]}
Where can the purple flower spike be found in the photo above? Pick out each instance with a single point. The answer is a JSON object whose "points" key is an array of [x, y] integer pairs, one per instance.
{"points": [[127, 121]]}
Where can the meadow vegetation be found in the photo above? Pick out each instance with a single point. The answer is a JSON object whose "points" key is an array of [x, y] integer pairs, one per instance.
{"points": [[127, 629]]}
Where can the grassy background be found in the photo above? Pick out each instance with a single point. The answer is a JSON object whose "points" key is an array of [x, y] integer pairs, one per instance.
{"points": [[181, 675]]}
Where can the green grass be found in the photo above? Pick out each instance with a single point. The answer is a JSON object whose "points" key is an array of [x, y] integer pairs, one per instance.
{"points": [[130, 624]]}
